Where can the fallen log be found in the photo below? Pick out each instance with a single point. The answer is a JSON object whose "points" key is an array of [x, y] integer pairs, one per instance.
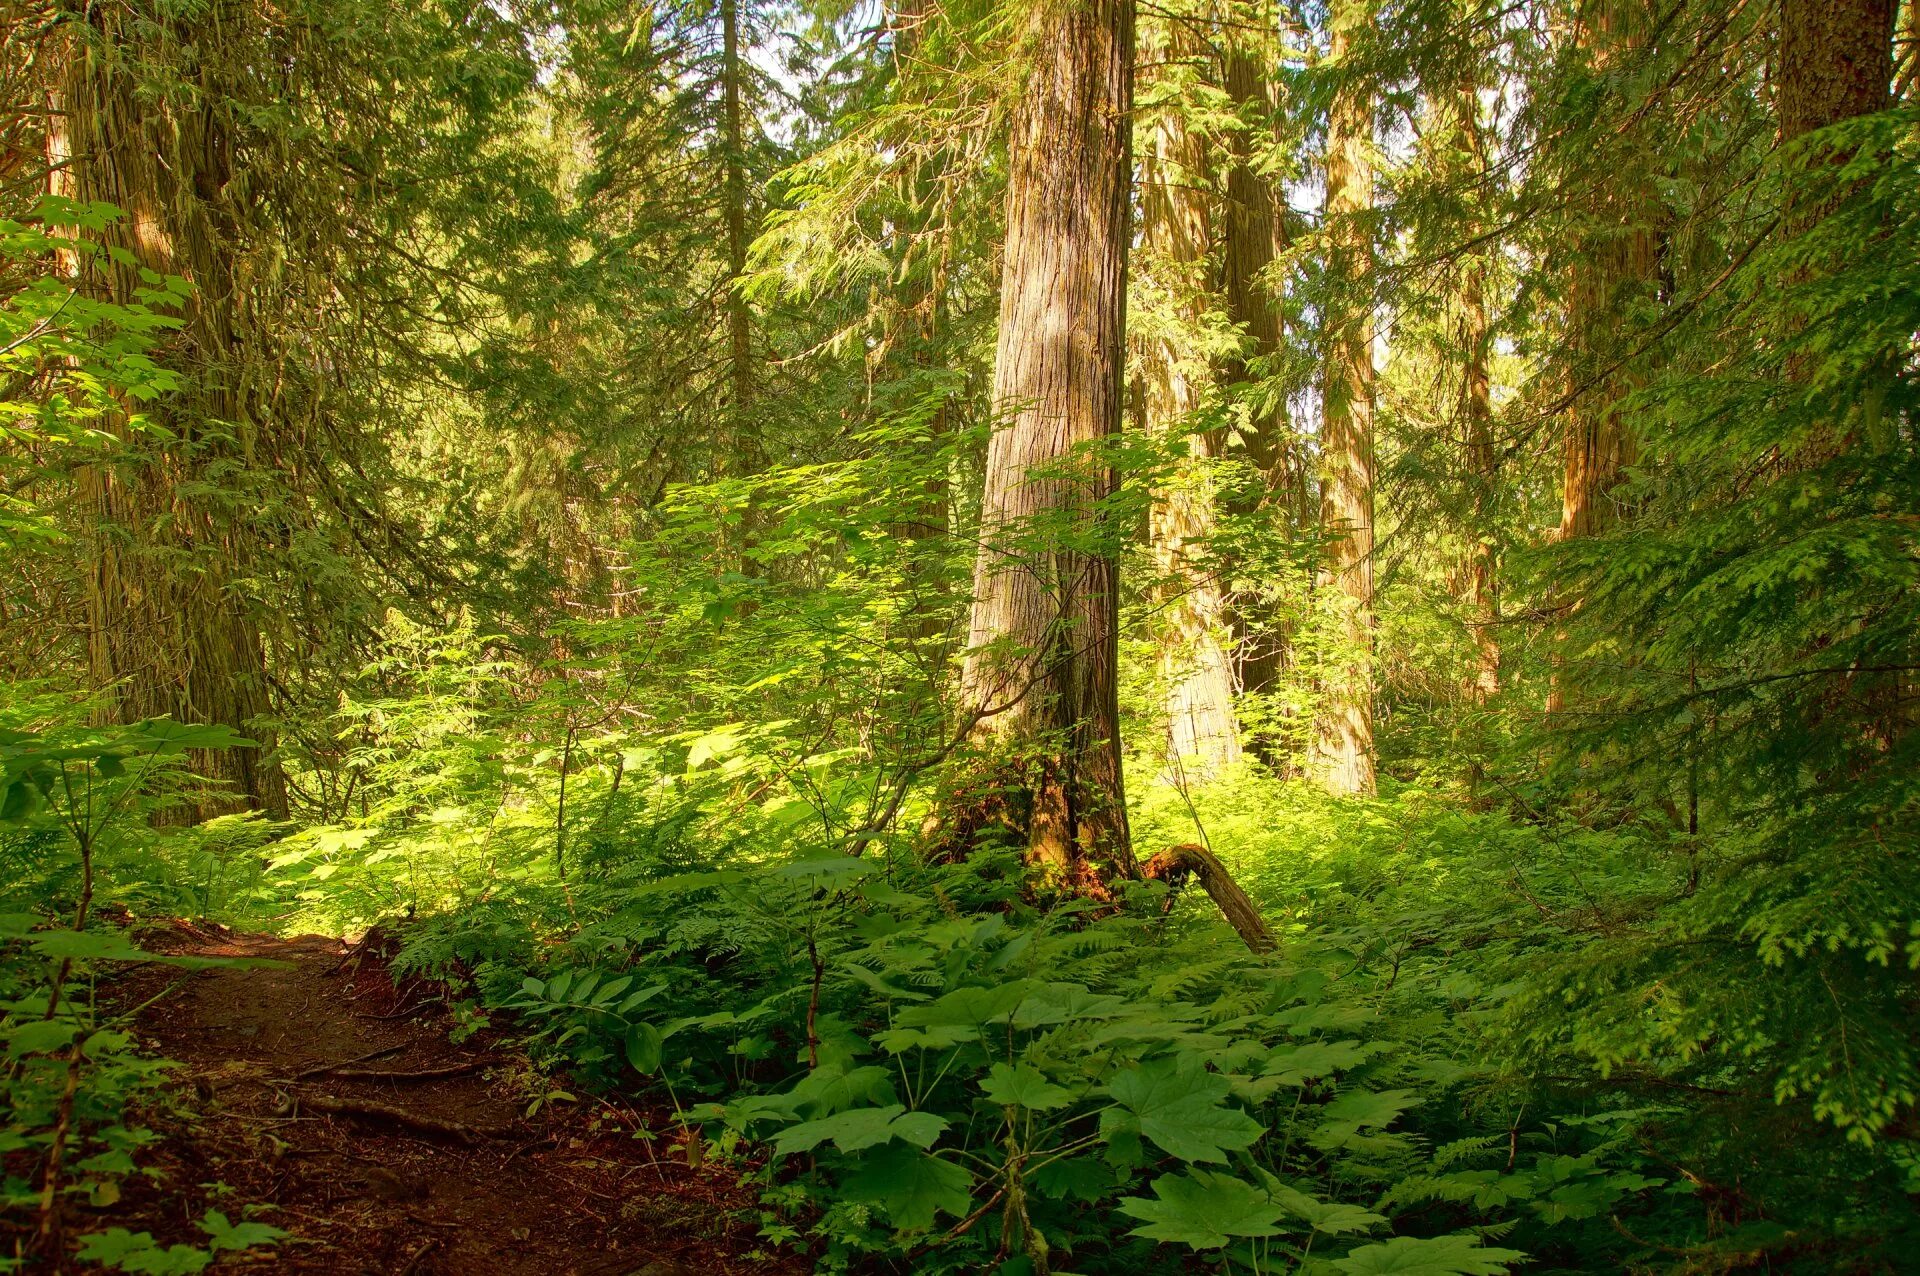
{"points": [[1178, 863]]}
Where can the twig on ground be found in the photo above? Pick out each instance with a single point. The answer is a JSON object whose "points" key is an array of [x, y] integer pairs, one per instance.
{"points": [[408, 1013], [419, 1074], [418, 1254], [319, 1069]]}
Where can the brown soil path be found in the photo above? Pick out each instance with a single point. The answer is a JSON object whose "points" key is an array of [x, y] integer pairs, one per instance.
{"points": [[429, 1176]]}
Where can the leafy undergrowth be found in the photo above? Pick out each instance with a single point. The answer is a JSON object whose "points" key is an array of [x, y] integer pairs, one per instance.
{"points": [[939, 1067], [952, 1076]]}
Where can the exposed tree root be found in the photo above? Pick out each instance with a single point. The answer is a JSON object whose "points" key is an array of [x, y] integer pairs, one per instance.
{"points": [[1177, 863], [417, 1074], [401, 1117]]}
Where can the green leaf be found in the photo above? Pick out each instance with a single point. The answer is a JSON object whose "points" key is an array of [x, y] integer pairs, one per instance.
{"points": [[40, 1036], [1203, 1209], [911, 1185], [1331, 1217], [138, 1252], [1177, 1104], [112, 1245], [1076, 1178], [1024, 1086], [643, 1045], [970, 1007], [17, 802], [228, 1235], [861, 1128], [1295, 1065], [85, 945], [1342, 1120], [1460, 1254]]}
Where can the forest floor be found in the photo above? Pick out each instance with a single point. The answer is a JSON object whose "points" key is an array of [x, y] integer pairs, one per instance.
{"points": [[318, 1088]]}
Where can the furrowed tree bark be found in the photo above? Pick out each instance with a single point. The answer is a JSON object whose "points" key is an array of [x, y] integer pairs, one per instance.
{"points": [[1043, 632], [1196, 667], [1836, 62], [1343, 744], [170, 630]]}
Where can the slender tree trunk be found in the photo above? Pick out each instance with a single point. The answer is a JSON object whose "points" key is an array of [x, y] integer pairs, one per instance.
{"points": [[1043, 638], [1203, 735], [1465, 164], [1253, 236], [745, 443], [170, 631], [918, 324], [1343, 743], [1476, 417]]}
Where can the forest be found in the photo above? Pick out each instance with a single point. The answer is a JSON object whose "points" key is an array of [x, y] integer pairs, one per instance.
{"points": [[1017, 636]]}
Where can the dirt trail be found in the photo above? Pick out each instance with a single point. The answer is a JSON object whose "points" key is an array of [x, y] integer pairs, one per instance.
{"points": [[376, 1172]]}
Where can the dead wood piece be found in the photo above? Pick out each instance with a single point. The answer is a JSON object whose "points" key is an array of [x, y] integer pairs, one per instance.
{"points": [[408, 1013], [418, 1254], [402, 1117], [418, 1074], [378, 941], [1177, 863]]}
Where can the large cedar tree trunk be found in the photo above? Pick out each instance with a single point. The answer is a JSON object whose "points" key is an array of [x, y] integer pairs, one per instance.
{"points": [[170, 631], [1042, 649], [1343, 744], [1195, 662]]}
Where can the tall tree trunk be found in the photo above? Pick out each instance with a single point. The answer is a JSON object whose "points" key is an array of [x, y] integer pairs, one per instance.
{"points": [[1043, 638], [1253, 235], [1471, 336], [170, 631], [1617, 259], [917, 324], [745, 443], [1465, 165], [1836, 63], [1203, 735], [1343, 744]]}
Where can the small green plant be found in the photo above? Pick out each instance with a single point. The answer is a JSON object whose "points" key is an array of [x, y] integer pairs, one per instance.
{"points": [[138, 1252], [73, 795]]}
